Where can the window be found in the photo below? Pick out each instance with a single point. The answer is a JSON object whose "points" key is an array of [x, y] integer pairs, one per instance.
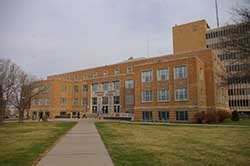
{"points": [[64, 88], [181, 115], [163, 95], [41, 101], [116, 84], [181, 94], [94, 100], [94, 87], [94, 75], [129, 84], [62, 113], [146, 76], [105, 109], [76, 88], [85, 77], [34, 101], [47, 101], [62, 101], [180, 72], [162, 74], [116, 99], [116, 108], [129, 100], [147, 116], [163, 115], [116, 72], [129, 69], [94, 109], [105, 100], [75, 101], [85, 88], [107, 86], [105, 73], [147, 95], [84, 101]]}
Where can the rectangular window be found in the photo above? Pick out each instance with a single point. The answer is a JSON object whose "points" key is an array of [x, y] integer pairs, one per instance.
{"points": [[116, 108], [62, 113], [146, 76], [163, 95], [163, 115], [63, 101], [129, 84], [105, 109], [94, 109], [106, 86], [182, 115], [41, 101], [129, 69], [94, 100], [162, 74], [85, 77], [94, 87], [180, 72], [116, 84], [105, 100], [105, 73], [147, 116], [116, 99], [147, 95], [94, 75], [84, 101], [64, 88], [75, 101], [129, 100], [85, 88], [116, 72], [181, 94], [47, 101], [76, 88], [34, 101]]}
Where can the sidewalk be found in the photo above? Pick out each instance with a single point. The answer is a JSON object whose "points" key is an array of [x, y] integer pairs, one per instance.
{"points": [[81, 146]]}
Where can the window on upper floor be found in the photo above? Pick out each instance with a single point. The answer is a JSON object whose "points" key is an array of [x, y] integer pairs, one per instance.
{"points": [[94, 75], [94, 100], [116, 99], [76, 88], [116, 72], [163, 95], [105, 100], [85, 77], [94, 87], [162, 74], [107, 86], [180, 72], [181, 94], [129, 69], [63, 101], [63, 88], [85, 87], [146, 76], [75, 101], [105, 73], [129, 84], [84, 101], [47, 101], [41, 101], [116, 84], [147, 95]]}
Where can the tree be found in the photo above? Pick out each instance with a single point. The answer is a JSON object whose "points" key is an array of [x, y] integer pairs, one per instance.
{"points": [[18, 88], [237, 43]]}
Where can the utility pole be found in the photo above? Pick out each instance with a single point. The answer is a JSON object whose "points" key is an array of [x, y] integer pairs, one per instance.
{"points": [[217, 14]]}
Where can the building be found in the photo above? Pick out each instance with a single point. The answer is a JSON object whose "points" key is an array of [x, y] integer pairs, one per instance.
{"points": [[238, 89], [163, 88], [198, 35]]}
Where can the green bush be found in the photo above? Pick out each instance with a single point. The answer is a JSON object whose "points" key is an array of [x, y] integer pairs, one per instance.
{"points": [[235, 116]]}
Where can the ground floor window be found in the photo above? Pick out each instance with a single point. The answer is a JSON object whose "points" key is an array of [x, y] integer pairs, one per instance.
{"points": [[62, 113], [105, 109], [163, 115], [147, 116], [94, 109], [181, 115], [116, 108]]}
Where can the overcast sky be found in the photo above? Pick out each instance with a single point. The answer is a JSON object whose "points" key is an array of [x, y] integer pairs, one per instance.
{"points": [[54, 36]]}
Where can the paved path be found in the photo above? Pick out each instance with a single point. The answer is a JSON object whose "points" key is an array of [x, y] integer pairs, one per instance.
{"points": [[81, 146]]}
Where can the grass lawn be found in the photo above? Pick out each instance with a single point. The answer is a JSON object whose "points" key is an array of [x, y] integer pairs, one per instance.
{"points": [[244, 122], [23, 143], [135, 144]]}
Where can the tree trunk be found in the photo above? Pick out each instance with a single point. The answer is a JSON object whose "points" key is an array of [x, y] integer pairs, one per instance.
{"points": [[2, 105]]}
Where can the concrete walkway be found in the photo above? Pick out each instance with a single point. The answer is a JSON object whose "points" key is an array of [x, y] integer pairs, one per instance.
{"points": [[81, 146]]}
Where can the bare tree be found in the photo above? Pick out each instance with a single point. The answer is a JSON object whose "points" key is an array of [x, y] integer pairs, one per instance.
{"points": [[17, 88], [237, 44]]}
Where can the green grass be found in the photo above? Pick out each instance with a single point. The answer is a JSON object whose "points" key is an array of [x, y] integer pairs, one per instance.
{"points": [[135, 144], [23, 143], [243, 122]]}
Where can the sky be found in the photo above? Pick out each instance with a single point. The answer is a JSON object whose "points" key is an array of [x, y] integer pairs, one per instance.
{"points": [[47, 37]]}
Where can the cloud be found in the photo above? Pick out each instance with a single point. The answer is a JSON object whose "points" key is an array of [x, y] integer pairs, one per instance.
{"points": [[48, 37]]}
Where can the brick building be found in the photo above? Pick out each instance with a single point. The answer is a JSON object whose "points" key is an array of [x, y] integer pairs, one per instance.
{"points": [[162, 88]]}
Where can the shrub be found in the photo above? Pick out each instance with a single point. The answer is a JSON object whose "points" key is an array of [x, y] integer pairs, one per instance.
{"points": [[211, 116], [235, 116]]}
